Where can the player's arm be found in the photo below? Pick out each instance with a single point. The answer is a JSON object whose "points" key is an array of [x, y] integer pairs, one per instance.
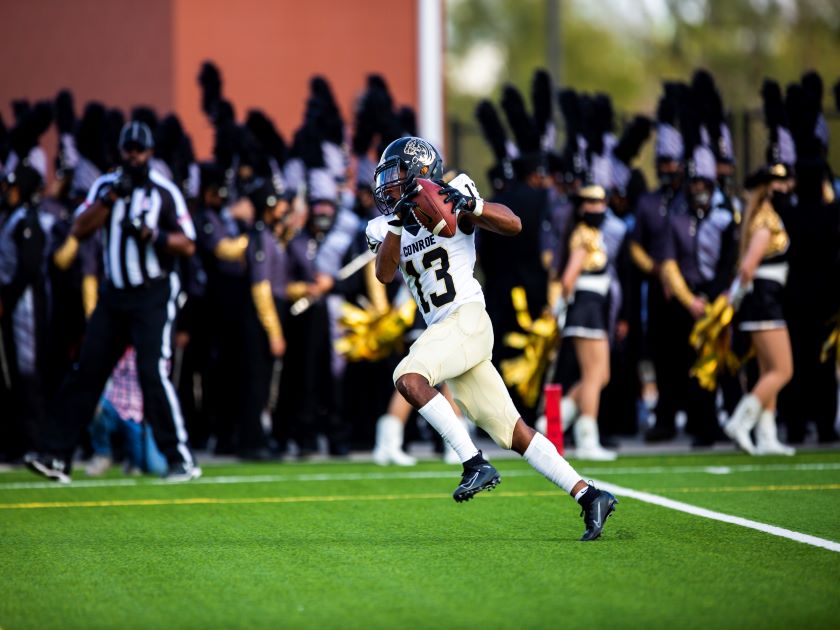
{"points": [[495, 217], [388, 250], [462, 193], [388, 254]]}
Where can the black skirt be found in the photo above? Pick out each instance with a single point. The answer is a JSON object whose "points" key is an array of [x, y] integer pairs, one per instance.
{"points": [[762, 307], [588, 316]]}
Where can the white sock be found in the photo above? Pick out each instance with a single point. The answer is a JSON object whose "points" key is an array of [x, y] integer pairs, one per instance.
{"points": [[438, 413], [545, 459], [586, 433], [581, 493], [568, 412]]}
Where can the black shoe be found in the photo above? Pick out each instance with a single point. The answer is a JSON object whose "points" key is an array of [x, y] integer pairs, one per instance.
{"points": [[596, 513], [478, 475], [660, 434], [48, 466], [179, 473]]}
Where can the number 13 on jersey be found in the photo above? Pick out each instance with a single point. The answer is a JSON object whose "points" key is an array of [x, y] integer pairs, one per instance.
{"points": [[438, 260]]}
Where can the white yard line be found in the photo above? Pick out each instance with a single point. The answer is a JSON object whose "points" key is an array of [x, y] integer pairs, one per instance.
{"points": [[416, 474], [655, 499]]}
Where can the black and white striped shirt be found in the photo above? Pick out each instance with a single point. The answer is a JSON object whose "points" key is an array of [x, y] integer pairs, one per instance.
{"points": [[160, 205]]}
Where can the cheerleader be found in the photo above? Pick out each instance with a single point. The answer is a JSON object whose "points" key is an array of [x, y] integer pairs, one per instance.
{"points": [[586, 287], [762, 275]]}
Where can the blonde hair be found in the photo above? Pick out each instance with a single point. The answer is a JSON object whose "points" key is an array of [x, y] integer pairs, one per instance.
{"points": [[756, 199]]}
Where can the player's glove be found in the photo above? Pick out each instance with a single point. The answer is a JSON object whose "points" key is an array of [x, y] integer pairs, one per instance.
{"points": [[404, 205], [460, 201]]}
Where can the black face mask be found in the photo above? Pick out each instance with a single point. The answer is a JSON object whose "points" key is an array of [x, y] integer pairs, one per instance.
{"points": [[594, 219], [320, 224]]}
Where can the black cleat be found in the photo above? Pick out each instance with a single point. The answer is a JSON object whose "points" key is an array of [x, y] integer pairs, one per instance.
{"points": [[478, 475], [48, 466], [596, 513]]}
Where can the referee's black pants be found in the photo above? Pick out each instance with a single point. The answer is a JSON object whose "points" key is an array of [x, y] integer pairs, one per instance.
{"points": [[144, 318]]}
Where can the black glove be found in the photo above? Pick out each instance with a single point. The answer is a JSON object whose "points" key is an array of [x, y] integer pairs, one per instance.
{"points": [[406, 202], [459, 200]]}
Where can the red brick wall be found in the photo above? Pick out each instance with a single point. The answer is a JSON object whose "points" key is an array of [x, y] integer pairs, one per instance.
{"points": [[125, 52]]}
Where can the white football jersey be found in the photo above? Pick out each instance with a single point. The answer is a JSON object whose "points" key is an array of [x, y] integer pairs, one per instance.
{"points": [[437, 270]]}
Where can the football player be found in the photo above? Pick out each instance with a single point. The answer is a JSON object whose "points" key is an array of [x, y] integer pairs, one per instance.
{"points": [[457, 345]]}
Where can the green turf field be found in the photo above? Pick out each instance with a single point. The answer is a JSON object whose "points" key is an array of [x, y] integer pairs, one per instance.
{"points": [[341, 545]]}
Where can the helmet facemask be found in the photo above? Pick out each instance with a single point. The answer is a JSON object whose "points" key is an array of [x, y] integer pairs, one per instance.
{"points": [[404, 159], [389, 181]]}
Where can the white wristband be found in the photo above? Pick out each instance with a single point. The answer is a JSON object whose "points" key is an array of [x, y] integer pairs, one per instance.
{"points": [[479, 207], [395, 229]]}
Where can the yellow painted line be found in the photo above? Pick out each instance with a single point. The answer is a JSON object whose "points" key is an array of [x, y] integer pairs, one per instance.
{"points": [[375, 497], [770, 488], [247, 501]]}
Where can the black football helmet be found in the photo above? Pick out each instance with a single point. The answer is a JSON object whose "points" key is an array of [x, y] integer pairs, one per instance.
{"points": [[404, 159]]}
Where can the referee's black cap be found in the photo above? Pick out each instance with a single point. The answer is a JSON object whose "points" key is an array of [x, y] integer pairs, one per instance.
{"points": [[136, 134]]}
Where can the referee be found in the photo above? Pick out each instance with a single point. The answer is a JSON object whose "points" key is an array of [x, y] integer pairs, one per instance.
{"points": [[144, 226]]}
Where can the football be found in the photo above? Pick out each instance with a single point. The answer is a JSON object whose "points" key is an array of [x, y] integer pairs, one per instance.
{"points": [[432, 212]]}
